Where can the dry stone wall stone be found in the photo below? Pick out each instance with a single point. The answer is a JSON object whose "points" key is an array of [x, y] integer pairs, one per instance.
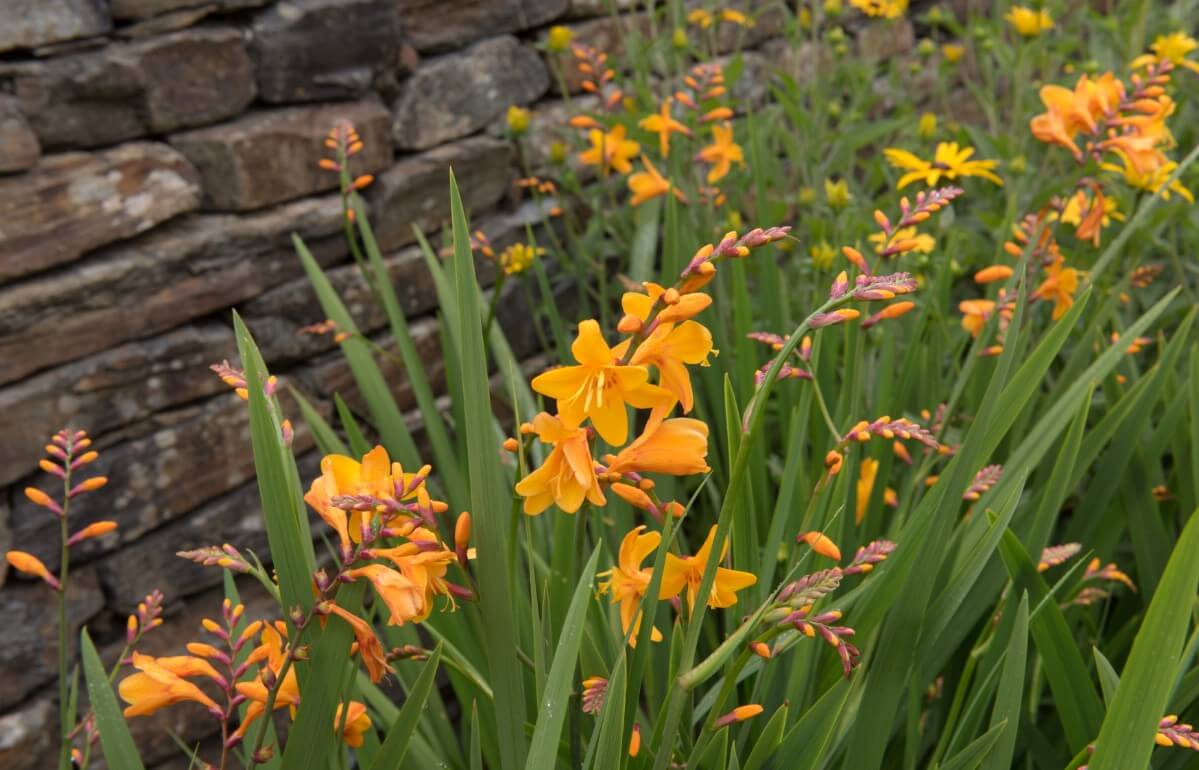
{"points": [[19, 148], [25, 743], [164, 278], [29, 655], [198, 453], [415, 191], [272, 156], [144, 9], [75, 202], [452, 96], [129, 90], [151, 563], [33, 23], [108, 390], [441, 25], [311, 50]]}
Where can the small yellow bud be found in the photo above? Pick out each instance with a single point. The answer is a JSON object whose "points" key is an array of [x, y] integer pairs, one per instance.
{"points": [[518, 120], [511, 444], [558, 38], [927, 127]]}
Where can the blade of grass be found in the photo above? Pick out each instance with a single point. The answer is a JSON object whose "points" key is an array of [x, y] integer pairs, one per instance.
{"points": [[489, 501], [115, 739], [543, 752], [395, 746], [1126, 736], [383, 408], [1076, 702], [1005, 716]]}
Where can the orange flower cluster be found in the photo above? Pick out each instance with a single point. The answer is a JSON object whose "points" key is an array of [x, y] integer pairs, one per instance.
{"points": [[365, 502], [795, 605], [67, 453], [628, 581], [1113, 121], [236, 668]]}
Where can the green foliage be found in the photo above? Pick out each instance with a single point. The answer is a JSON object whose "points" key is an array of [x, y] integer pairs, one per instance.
{"points": [[988, 638]]}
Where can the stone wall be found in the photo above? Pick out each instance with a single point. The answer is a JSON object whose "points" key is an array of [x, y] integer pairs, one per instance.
{"points": [[155, 158]]}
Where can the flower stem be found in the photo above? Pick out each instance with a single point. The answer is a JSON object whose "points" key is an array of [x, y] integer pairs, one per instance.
{"points": [[66, 720]]}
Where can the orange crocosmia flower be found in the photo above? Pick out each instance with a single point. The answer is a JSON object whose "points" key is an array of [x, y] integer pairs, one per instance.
{"points": [[375, 476], [161, 682], [677, 446], [424, 561], [1069, 112], [975, 313], [649, 184], [628, 581], [662, 124], [599, 387], [685, 306], [670, 348], [688, 573], [866, 476], [722, 153], [567, 476], [610, 150], [369, 646], [1059, 285], [272, 651], [404, 599], [357, 722]]}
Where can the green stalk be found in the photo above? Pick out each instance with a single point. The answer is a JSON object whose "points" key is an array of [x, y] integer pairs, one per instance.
{"points": [[65, 719], [751, 422]]}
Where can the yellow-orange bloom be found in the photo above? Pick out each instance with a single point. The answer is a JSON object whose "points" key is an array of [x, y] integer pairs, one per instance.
{"points": [[662, 124], [424, 561], [950, 161], [599, 387], [567, 476], [357, 722], [374, 477], [670, 348], [722, 153], [671, 307], [649, 184], [678, 446], [1173, 48], [1029, 22], [161, 682], [1069, 112], [610, 150], [688, 573], [369, 646], [628, 581], [1059, 285], [975, 313], [866, 475], [404, 599]]}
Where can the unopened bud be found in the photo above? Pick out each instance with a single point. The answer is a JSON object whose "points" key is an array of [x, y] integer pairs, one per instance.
{"points": [[629, 324]]}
